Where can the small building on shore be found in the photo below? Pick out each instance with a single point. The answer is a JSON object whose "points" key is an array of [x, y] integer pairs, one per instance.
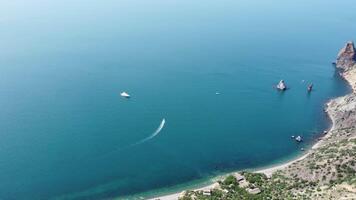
{"points": [[254, 190], [207, 192], [239, 177]]}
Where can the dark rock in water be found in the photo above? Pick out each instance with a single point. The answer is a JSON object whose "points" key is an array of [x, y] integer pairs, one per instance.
{"points": [[346, 57], [310, 87], [281, 86]]}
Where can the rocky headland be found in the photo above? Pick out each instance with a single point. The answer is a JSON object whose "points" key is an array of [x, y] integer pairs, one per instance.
{"points": [[326, 171]]}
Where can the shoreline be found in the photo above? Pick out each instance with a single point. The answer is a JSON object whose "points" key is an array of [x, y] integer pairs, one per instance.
{"points": [[268, 171]]}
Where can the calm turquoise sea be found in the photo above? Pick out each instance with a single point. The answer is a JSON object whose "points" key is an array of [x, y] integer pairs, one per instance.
{"points": [[65, 132]]}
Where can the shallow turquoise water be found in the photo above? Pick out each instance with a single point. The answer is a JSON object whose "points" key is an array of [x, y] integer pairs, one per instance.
{"points": [[66, 133]]}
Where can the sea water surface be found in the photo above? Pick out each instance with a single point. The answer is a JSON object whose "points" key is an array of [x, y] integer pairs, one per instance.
{"points": [[65, 132]]}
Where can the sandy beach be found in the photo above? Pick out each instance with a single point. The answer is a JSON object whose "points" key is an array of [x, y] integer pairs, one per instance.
{"points": [[268, 171]]}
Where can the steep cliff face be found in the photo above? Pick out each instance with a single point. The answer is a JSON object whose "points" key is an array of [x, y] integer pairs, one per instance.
{"points": [[346, 57]]}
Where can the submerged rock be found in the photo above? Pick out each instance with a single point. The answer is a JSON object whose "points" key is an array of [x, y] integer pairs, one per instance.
{"points": [[346, 57]]}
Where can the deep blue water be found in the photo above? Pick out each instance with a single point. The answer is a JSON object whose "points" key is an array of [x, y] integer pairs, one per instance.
{"points": [[65, 132]]}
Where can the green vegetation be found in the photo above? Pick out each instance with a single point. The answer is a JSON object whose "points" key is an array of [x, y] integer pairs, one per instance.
{"points": [[330, 166]]}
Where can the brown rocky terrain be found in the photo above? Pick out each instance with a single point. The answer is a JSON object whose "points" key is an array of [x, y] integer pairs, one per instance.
{"points": [[346, 58]]}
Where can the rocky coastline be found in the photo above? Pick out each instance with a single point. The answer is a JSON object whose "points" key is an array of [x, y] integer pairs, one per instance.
{"points": [[326, 171]]}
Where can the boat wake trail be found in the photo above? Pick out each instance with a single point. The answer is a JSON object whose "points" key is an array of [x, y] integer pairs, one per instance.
{"points": [[154, 134]]}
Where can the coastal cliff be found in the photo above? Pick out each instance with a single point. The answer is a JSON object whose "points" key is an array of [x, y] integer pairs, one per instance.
{"points": [[346, 58], [327, 171], [346, 62]]}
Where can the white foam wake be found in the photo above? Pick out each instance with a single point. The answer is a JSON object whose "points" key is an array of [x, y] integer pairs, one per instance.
{"points": [[154, 134]]}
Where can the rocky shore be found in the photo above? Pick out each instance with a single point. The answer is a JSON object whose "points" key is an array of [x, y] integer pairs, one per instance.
{"points": [[327, 171]]}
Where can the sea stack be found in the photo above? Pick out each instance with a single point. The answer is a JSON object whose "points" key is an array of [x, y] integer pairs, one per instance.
{"points": [[346, 57], [281, 85], [310, 87]]}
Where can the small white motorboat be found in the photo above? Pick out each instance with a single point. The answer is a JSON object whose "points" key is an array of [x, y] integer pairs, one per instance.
{"points": [[124, 94], [299, 138]]}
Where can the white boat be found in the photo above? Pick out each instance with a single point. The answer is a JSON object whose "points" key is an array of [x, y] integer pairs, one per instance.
{"points": [[124, 94], [299, 138], [281, 85]]}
